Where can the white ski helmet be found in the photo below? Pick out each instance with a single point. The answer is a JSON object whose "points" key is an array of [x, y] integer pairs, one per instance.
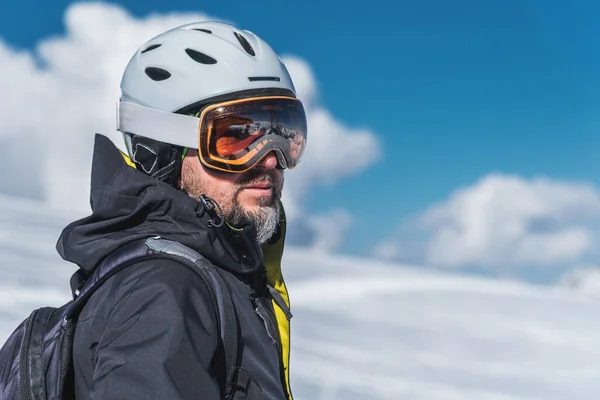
{"points": [[192, 65]]}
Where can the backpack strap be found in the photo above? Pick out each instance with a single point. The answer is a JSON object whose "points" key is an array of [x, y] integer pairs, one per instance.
{"points": [[227, 315], [33, 377], [157, 247]]}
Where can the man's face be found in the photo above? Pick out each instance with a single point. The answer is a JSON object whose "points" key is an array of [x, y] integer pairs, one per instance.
{"points": [[252, 196]]}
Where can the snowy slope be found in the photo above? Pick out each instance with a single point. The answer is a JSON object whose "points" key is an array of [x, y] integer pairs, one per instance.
{"points": [[367, 330]]}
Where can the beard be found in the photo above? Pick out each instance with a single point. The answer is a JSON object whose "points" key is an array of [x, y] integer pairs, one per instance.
{"points": [[265, 219], [264, 216]]}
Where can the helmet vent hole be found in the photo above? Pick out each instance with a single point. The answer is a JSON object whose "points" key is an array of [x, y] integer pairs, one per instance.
{"points": [[200, 57], [244, 44], [202, 30], [150, 48], [157, 74], [264, 78]]}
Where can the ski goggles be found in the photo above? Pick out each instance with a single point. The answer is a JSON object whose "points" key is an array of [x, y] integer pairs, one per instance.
{"points": [[231, 136]]}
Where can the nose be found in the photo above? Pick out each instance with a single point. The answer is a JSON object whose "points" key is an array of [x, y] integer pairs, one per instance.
{"points": [[269, 162]]}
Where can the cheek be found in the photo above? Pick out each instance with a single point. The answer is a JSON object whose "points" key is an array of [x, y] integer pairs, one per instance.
{"points": [[227, 189], [223, 191], [279, 178]]}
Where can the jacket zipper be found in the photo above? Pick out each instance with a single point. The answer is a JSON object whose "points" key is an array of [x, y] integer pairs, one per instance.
{"points": [[260, 310], [269, 321], [278, 344]]}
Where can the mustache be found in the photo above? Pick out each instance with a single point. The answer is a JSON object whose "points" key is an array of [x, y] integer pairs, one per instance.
{"points": [[256, 177]]}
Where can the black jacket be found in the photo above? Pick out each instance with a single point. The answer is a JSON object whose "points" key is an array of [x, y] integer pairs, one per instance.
{"points": [[149, 332]]}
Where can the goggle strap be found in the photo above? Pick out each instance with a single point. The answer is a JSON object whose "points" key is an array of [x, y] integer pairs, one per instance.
{"points": [[177, 129]]}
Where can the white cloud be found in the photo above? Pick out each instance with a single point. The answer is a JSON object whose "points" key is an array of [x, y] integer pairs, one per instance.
{"points": [[65, 91], [506, 221], [329, 229], [585, 279], [387, 250]]}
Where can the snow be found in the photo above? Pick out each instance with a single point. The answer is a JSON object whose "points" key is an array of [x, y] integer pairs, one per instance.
{"points": [[364, 329]]}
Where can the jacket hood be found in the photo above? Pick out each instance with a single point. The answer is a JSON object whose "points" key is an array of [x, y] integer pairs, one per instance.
{"points": [[128, 205]]}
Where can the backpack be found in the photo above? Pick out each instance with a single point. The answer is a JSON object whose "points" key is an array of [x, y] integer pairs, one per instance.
{"points": [[36, 363]]}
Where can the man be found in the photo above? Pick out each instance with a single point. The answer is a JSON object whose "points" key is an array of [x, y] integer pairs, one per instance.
{"points": [[192, 176]]}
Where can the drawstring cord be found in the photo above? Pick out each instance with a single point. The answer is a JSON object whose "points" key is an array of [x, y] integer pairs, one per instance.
{"points": [[213, 209]]}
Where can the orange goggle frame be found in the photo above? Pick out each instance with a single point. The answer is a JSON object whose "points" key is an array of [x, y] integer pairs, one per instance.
{"points": [[236, 135]]}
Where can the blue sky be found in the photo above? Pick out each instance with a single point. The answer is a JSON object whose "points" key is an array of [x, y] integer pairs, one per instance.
{"points": [[454, 90]]}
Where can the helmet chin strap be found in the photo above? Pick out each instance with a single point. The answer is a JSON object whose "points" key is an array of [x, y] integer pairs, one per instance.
{"points": [[159, 160]]}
